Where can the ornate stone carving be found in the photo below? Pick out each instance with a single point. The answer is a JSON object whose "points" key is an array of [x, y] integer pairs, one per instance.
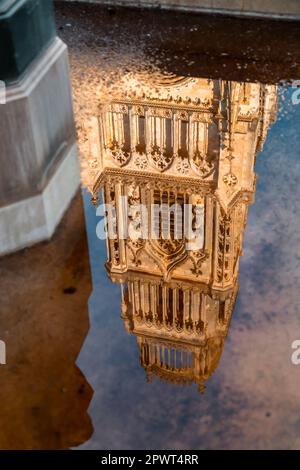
{"points": [[230, 179], [141, 161], [135, 247], [190, 185], [192, 141], [119, 154], [201, 164], [224, 249], [198, 257], [183, 166], [160, 159]]}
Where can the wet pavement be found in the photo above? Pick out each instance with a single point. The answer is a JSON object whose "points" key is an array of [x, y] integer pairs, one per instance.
{"points": [[74, 377], [44, 322], [252, 399], [180, 43]]}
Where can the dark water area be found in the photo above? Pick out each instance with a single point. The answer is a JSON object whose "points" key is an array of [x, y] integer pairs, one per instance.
{"points": [[82, 372]]}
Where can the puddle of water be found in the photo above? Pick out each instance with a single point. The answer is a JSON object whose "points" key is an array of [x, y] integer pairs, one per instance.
{"points": [[189, 344], [177, 305], [251, 398]]}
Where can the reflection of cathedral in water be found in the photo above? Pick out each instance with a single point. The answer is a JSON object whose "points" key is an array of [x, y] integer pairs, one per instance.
{"points": [[190, 141]]}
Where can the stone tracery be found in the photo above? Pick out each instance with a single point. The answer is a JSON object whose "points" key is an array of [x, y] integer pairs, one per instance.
{"points": [[191, 142]]}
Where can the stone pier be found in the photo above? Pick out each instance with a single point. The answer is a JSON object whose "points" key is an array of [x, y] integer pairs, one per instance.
{"points": [[39, 168]]}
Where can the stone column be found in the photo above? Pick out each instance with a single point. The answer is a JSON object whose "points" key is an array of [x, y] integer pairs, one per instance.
{"points": [[39, 167]]}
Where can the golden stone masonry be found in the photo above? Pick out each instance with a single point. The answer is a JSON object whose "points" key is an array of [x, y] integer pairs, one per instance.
{"points": [[183, 141]]}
